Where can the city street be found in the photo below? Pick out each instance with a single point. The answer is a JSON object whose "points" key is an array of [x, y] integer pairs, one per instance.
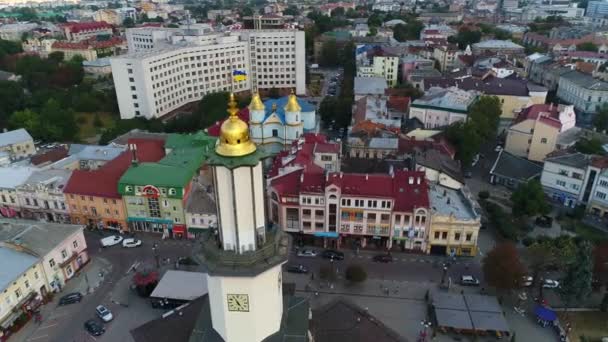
{"points": [[65, 323]]}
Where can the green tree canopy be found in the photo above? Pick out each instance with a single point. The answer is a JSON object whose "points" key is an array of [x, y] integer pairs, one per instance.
{"points": [[128, 22], [529, 199], [409, 31], [600, 121], [587, 46], [12, 98], [465, 37], [291, 10], [338, 12], [485, 114], [589, 146], [576, 285], [329, 54]]}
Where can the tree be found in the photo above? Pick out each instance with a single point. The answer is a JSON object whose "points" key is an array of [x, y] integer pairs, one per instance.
{"points": [[329, 54], [409, 31], [211, 109], [540, 256], [576, 285], [274, 93], [600, 262], [373, 31], [355, 274], [27, 119], [145, 281], [291, 10], [467, 140], [589, 146], [529, 199], [56, 57], [128, 22], [465, 37], [12, 98], [502, 268], [587, 46], [338, 12], [485, 115], [600, 121], [375, 19], [502, 34]]}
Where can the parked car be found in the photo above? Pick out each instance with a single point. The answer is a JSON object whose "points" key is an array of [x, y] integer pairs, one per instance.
{"points": [[131, 242], [297, 269], [469, 280], [94, 328], [544, 221], [70, 298], [103, 313], [331, 254], [307, 253], [111, 240], [527, 281], [383, 258], [550, 284]]}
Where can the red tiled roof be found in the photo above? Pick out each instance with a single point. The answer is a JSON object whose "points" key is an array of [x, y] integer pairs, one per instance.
{"points": [[88, 44], [600, 162], [87, 26], [398, 103], [302, 154], [439, 143], [409, 189], [50, 156], [549, 114], [103, 182], [214, 130]]}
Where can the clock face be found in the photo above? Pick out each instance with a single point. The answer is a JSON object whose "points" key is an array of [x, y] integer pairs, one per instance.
{"points": [[238, 302]]}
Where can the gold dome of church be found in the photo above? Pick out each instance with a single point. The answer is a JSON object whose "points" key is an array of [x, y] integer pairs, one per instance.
{"points": [[234, 135], [256, 103], [292, 103]]}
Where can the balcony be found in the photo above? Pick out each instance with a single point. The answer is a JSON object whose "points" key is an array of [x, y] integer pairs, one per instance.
{"points": [[217, 261]]}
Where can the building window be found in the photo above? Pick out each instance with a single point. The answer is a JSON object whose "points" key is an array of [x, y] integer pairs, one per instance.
{"points": [[26, 283], [577, 175], [457, 236], [436, 235], [69, 270], [172, 192], [600, 195], [444, 235], [560, 182], [64, 254], [543, 140], [52, 262], [469, 236], [18, 293], [75, 244], [36, 276], [275, 133]]}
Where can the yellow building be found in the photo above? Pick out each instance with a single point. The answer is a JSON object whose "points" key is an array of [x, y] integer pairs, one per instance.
{"points": [[535, 132], [454, 224], [379, 66]]}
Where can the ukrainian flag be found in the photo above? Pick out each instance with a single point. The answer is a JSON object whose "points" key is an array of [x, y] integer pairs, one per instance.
{"points": [[239, 75]]}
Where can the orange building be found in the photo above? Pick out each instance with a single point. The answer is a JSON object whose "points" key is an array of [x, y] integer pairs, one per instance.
{"points": [[92, 196]]}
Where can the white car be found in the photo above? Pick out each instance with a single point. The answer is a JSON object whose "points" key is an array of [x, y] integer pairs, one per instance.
{"points": [[498, 148], [550, 284], [103, 313], [111, 240], [130, 242], [307, 253], [527, 281]]}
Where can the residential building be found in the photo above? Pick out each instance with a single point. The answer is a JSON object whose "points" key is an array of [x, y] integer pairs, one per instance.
{"points": [[41, 196], [442, 107], [98, 203], [439, 168], [446, 56], [437, 32], [61, 248], [508, 4], [503, 47], [329, 7], [11, 177], [597, 9], [546, 71], [109, 16], [22, 284], [201, 209], [17, 144], [564, 178], [341, 38], [378, 109], [455, 222], [374, 62], [16, 31], [264, 22], [39, 46], [514, 93], [277, 123], [88, 49], [583, 91], [97, 68], [411, 63], [511, 171], [76, 32], [89, 157], [311, 151], [369, 86], [535, 132], [371, 140], [598, 201], [154, 193], [558, 45], [164, 73], [386, 6]]}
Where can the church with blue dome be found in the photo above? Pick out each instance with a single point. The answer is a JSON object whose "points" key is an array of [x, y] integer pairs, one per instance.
{"points": [[276, 123]]}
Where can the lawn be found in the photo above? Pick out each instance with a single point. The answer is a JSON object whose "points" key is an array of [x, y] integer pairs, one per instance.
{"points": [[593, 325], [87, 127]]}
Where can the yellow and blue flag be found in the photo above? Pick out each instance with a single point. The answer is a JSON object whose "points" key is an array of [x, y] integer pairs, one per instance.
{"points": [[239, 75]]}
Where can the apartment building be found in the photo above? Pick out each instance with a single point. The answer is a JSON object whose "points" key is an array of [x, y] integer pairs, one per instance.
{"points": [[535, 132], [454, 224], [441, 107], [17, 144], [168, 68], [503, 47], [11, 178], [98, 203], [446, 56], [563, 178], [598, 202], [583, 91], [76, 32], [41, 196], [380, 66]]}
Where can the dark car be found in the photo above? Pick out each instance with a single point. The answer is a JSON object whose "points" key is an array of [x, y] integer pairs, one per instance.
{"points": [[297, 269], [544, 221], [94, 328], [70, 298], [331, 254], [383, 258]]}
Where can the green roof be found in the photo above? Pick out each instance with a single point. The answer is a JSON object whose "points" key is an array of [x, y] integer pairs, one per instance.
{"points": [[176, 169], [234, 162]]}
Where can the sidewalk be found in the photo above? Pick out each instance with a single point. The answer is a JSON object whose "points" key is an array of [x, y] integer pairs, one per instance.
{"points": [[86, 281]]}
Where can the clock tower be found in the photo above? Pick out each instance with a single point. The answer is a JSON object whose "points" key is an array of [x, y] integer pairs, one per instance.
{"points": [[243, 258]]}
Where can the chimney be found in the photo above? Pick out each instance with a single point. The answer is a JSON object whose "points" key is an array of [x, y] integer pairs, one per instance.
{"points": [[133, 149], [341, 174], [366, 176]]}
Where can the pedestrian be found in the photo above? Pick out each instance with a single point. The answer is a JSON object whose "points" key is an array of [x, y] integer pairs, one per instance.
{"points": [[312, 276]]}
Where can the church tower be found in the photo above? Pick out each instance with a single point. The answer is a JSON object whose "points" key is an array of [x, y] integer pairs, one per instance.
{"points": [[257, 113], [244, 259], [293, 119]]}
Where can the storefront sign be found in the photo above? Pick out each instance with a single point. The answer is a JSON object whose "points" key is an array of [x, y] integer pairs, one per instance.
{"points": [[327, 234]]}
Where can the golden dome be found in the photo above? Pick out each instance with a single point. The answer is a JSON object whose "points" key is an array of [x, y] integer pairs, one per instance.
{"points": [[292, 103], [256, 103], [234, 135]]}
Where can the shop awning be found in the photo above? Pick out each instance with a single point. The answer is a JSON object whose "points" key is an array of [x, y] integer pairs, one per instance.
{"points": [[8, 321], [326, 234], [545, 314], [179, 229], [197, 230]]}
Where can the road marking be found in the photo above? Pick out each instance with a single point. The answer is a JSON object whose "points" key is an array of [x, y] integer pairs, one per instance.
{"points": [[38, 337], [47, 326]]}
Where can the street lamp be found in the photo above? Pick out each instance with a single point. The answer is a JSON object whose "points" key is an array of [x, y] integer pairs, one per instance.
{"points": [[445, 272], [155, 251]]}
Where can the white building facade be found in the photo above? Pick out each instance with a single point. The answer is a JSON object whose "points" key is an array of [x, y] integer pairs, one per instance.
{"points": [[168, 68]]}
